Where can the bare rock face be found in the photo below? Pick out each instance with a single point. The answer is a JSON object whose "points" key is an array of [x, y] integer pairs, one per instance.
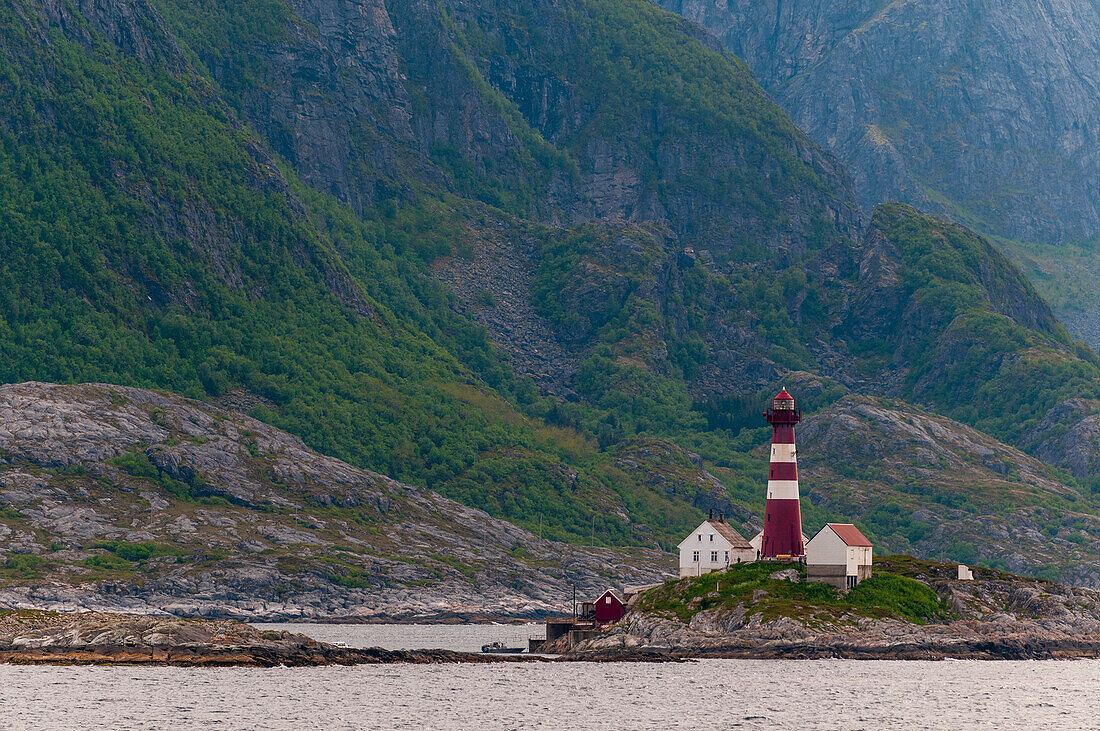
{"points": [[35, 637], [124, 499], [986, 108], [1069, 434]]}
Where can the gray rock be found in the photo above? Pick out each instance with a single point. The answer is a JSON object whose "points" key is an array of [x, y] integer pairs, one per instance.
{"points": [[242, 545]]}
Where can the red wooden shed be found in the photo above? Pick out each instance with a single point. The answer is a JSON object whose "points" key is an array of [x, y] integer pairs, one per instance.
{"points": [[610, 607]]}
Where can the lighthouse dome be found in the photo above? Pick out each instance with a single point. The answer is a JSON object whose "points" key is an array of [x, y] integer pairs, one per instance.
{"points": [[783, 409]]}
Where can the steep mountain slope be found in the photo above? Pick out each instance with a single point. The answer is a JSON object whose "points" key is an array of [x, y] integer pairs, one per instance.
{"points": [[152, 239], [123, 498], [988, 111], [255, 201], [984, 112], [921, 484], [526, 101]]}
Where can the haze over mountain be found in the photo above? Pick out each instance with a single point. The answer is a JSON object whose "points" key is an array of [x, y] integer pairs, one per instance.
{"points": [[986, 112], [542, 258], [989, 111]]}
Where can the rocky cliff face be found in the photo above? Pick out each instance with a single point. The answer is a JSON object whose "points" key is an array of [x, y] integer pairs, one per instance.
{"points": [[117, 498], [986, 111], [519, 107]]}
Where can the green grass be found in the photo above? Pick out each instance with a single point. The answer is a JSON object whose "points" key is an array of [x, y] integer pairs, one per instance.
{"points": [[883, 595], [22, 567], [136, 552]]}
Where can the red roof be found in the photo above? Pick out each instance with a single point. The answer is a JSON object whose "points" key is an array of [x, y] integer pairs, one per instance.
{"points": [[784, 396], [849, 534]]}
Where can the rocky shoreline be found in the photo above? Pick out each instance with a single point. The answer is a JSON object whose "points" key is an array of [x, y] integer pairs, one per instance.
{"points": [[47, 638], [1015, 647], [30, 637], [996, 616]]}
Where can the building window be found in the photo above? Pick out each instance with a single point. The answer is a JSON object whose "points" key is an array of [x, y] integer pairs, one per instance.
{"points": [[700, 537], [714, 556], [695, 557], [727, 556], [712, 538]]}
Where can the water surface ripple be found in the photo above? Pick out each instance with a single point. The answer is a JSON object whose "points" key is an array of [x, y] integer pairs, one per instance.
{"points": [[720, 694]]}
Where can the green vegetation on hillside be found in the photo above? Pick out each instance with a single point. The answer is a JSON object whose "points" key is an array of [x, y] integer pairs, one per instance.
{"points": [[978, 364], [149, 242], [152, 237]]}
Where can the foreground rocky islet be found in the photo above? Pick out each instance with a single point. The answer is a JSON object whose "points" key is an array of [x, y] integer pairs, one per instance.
{"points": [[910, 610]]}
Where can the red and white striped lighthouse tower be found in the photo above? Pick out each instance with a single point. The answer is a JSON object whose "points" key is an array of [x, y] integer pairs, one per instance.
{"points": [[782, 514]]}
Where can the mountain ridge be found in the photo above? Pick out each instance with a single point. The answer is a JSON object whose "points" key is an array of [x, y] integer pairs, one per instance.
{"points": [[544, 258]]}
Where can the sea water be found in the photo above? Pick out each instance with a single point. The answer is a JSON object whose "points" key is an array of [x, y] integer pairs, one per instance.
{"points": [[712, 694]]}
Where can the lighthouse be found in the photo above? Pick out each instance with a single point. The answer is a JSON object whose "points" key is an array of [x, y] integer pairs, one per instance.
{"points": [[782, 514]]}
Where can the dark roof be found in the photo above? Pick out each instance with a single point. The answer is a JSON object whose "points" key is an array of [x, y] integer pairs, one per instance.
{"points": [[727, 531], [849, 534]]}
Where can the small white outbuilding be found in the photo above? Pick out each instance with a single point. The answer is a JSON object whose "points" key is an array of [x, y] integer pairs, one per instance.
{"points": [[839, 555], [713, 546]]}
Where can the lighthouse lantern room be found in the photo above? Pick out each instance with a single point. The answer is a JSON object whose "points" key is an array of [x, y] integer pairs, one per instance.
{"points": [[782, 513]]}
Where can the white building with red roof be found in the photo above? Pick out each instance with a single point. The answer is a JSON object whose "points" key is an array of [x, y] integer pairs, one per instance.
{"points": [[839, 555], [713, 546]]}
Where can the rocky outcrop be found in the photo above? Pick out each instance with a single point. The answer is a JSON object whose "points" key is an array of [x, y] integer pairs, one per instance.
{"points": [[89, 638], [493, 287], [996, 616], [1069, 435], [984, 110], [124, 499]]}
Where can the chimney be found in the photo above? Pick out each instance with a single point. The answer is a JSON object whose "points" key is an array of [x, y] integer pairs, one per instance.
{"points": [[721, 517], [710, 515]]}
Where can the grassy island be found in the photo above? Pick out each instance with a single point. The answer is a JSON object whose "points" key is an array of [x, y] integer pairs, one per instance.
{"points": [[780, 590]]}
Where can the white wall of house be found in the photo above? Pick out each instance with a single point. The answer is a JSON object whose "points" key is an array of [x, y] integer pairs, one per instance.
{"points": [[858, 556], [706, 550], [828, 549]]}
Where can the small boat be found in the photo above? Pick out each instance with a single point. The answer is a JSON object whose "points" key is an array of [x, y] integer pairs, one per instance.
{"points": [[341, 645], [499, 648]]}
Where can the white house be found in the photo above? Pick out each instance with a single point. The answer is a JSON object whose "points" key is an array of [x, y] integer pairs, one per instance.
{"points": [[758, 541], [839, 555], [713, 546]]}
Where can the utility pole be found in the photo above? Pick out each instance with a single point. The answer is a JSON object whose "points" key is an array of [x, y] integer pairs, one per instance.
{"points": [[593, 541], [574, 601]]}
